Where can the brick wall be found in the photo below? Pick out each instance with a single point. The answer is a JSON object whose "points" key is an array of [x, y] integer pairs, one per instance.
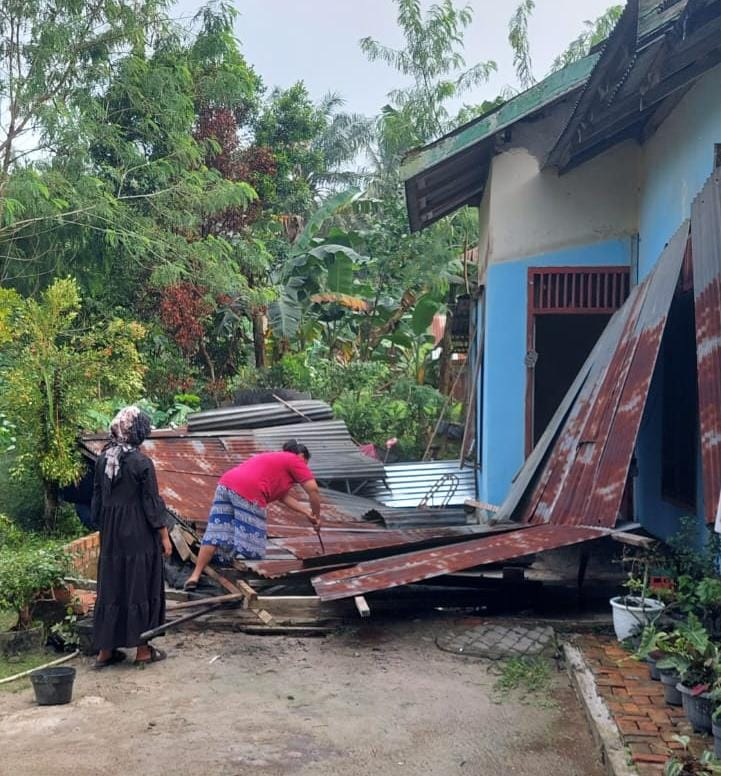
{"points": [[85, 554]]}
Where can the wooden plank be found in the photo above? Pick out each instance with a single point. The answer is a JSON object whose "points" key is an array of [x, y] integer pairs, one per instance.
{"points": [[180, 544], [180, 539], [285, 630], [633, 539], [471, 502], [362, 607], [219, 599], [247, 591], [149, 634]]}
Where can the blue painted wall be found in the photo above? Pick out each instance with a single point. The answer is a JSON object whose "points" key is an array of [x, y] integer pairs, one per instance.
{"points": [[504, 379], [677, 160], [676, 163]]}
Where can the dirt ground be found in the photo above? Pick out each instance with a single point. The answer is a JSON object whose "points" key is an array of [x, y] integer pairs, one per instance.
{"points": [[376, 698]]}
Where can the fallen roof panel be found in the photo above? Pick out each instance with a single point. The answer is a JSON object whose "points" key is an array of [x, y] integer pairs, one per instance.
{"points": [[584, 477], [706, 253], [426, 564]]}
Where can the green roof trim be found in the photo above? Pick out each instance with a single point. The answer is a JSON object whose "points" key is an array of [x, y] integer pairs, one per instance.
{"points": [[550, 89]]}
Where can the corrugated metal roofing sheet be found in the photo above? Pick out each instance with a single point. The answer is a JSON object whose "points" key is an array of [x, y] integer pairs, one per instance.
{"points": [[706, 251], [426, 564], [188, 469], [259, 415], [583, 480], [408, 484], [338, 542]]}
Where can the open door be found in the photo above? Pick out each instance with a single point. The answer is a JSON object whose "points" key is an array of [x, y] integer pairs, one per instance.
{"points": [[568, 308]]}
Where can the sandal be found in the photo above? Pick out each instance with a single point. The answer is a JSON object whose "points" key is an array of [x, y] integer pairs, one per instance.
{"points": [[189, 585], [117, 656], [156, 656]]}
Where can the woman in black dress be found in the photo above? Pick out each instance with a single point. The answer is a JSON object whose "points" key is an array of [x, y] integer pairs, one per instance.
{"points": [[127, 509]]}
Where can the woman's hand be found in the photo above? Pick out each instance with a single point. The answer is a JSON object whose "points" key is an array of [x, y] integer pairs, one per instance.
{"points": [[166, 546]]}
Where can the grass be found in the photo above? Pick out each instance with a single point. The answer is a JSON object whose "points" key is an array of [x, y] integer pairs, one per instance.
{"points": [[19, 663], [529, 677]]}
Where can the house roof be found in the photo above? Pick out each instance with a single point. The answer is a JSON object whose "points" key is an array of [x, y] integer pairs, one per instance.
{"points": [[449, 173], [623, 90], [652, 57]]}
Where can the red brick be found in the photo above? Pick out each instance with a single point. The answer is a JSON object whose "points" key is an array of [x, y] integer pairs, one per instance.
{"points": [[658, 716], [647, 725], [649, 758], [639, 747], [610, 681], [627, 727], [642, 700], [631, 708]]}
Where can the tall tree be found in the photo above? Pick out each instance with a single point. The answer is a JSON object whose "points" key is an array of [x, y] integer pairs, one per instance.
{"points": [[432, 58], [518, 36]]}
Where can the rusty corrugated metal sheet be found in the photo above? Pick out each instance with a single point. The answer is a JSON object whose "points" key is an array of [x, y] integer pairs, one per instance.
{"points": [[583, 480], [342, 542], [706, 245], [426, 564], [188, 469]]}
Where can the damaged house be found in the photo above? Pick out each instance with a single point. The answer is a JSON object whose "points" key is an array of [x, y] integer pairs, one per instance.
{"points": [[594, 346], [597, 344]]}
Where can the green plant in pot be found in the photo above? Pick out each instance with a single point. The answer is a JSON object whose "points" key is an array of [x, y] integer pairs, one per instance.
{"points": [[696, 659], [632, 612], [26, 572]]}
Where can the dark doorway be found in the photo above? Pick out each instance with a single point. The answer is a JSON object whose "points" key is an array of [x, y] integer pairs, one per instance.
{"points": [[562, 344], [568, 308], [680, 405]]}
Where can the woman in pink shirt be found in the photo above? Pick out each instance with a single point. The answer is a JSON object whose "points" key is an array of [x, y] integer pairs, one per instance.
{"points": [[237, 522]]}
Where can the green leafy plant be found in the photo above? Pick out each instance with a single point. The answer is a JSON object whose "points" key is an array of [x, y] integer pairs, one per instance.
{"points": [[65, 631], [26, 572], [692, 654], [686, 763], [52, 371]]}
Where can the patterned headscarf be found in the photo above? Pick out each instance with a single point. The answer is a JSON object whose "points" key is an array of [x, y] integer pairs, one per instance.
{"points": [[126, 432]]}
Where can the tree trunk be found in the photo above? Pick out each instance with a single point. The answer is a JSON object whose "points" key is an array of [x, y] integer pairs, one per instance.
{"points": [[259, 341], [51, 505], [445, 380]]}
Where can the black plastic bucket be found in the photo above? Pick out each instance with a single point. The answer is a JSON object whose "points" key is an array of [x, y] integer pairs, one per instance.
{"points": [[53, 686]]}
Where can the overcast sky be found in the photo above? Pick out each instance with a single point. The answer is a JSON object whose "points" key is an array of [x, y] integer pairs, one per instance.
{"points": [[317, 41]]}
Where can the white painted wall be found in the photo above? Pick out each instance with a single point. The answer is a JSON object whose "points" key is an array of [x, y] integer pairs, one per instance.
{"points": [[528, 212]]}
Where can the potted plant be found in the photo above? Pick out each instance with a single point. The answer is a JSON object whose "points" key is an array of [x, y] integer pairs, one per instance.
{"points": [[632, 612], [716, 716], [695, 658], [687, 763], [25, 573]]}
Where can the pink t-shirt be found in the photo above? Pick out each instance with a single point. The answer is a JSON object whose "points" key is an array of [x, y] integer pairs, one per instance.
{"points": [[266, 477]]}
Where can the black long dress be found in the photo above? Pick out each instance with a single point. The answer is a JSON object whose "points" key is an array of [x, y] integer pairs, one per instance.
{"points": [[130, 586]]}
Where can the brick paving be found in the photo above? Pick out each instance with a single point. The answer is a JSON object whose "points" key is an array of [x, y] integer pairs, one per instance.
{"points": [[636, 702], [495, 641]]}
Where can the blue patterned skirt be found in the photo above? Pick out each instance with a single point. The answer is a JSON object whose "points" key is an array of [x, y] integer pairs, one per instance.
{"points": [[236, 526]]}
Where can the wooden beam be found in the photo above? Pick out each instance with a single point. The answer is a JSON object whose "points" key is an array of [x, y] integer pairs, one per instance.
{"points": [[471, 502], [362, 607], [219, 599], [633, 539], [248, 592]]}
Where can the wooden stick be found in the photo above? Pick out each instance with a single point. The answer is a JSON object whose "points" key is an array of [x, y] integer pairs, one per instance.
{"points": [[181, 543], [219, 599], [149, 634], [39, 668], [289, 406], [248, 592]]}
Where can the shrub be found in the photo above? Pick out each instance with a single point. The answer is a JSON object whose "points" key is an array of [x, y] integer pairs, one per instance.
{"points": [[27, 568]]}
